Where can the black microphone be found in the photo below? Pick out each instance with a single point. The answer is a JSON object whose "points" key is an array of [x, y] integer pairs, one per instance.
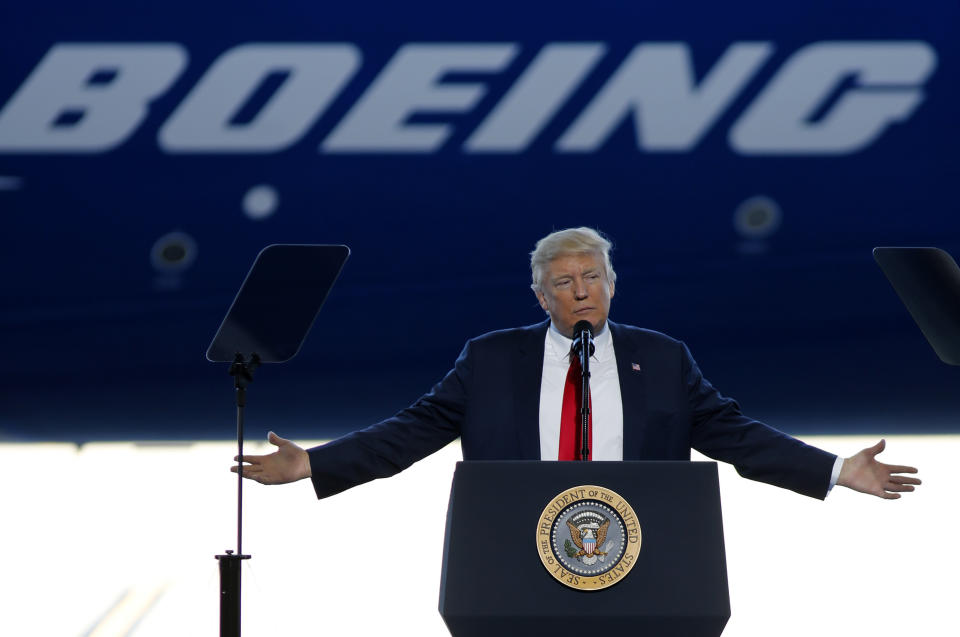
{"points": [[584, 348], [583, 335]]}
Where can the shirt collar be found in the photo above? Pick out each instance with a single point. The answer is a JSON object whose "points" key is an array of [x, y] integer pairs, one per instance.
{"points": [[558, 345]]}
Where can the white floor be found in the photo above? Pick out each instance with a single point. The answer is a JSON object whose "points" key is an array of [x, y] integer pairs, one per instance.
{"points": [[119, 539]]}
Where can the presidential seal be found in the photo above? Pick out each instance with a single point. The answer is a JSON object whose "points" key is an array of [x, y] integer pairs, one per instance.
{"points": [[588, 537]]}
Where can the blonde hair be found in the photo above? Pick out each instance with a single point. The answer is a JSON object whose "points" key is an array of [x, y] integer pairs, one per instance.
{"points": [[570, 241]]}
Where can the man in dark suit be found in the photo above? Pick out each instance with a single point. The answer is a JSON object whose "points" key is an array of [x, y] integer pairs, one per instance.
{"points": [[506, 397]]}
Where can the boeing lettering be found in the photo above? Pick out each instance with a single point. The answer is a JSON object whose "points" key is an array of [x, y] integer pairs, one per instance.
{"points": [[91, 98], [102, 90]]}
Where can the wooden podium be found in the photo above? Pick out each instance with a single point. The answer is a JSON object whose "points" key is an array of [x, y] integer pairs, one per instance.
{"points": [[494, 581]]}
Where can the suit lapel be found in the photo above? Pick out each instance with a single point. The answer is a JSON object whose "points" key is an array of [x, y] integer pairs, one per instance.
{"points": [[631, 368], [528, 374]]}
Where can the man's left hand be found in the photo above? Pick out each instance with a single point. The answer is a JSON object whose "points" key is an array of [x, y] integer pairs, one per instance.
{"points": [[864, 473]]}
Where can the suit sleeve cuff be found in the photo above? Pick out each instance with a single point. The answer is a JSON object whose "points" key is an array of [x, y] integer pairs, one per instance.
{"points": [[835, 475]]}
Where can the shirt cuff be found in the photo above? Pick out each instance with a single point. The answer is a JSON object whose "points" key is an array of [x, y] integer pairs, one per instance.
{"points": [[835, 475]]}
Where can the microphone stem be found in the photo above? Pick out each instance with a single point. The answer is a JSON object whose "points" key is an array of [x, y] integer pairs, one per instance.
{"points": [[585, 395]]}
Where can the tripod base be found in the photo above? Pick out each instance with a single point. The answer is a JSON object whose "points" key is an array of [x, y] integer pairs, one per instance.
{"points": [[230, 593]]}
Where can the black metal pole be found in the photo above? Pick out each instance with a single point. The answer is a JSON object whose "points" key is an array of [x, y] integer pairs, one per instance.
{"points": [[241, 403], [230, 593], [585, 395], [242, 372]]}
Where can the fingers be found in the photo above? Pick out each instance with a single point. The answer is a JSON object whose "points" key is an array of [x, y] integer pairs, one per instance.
{"points": [[896, 468], [248, 470], [877, 448], [905, 480], [896, 485], [901, 484], [899, 488], [255, 466], [257, 474], [274, 439]]}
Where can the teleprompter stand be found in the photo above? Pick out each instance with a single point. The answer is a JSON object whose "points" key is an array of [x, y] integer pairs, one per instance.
{"points": [[242, 372], [267, 323]]}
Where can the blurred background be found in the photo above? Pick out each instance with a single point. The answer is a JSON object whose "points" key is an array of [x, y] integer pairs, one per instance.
{"points": [[743, 157]]}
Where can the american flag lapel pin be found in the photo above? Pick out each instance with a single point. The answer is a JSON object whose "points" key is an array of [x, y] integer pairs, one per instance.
{"points": [[635, 367]]}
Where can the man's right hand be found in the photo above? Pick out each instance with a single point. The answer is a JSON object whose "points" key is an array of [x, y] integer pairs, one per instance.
{"points": [[288, 463]]}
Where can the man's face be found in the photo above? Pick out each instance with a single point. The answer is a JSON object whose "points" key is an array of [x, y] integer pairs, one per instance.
{"points": [[575, 288]]}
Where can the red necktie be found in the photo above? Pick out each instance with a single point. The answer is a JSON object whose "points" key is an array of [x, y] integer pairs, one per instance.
{"points": [[570, 421]]}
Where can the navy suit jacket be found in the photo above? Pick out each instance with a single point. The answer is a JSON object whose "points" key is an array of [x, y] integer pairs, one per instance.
{"points": [[491, 400]]}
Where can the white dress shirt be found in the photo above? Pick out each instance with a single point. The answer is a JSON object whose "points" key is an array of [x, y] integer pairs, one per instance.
{"points": [[606, 405]]}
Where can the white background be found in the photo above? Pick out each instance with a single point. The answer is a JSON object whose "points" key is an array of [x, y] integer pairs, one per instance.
{"points": [[119, 539]]}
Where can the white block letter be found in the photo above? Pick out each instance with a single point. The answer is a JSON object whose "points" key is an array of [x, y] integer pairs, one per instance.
{"points": [[656, 84], [535, 97], [315, 73], [888, 75], [412, 83], [103, 88]]}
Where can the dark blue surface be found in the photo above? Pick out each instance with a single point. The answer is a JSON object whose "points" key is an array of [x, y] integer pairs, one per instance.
{"points": [[801, 327]]}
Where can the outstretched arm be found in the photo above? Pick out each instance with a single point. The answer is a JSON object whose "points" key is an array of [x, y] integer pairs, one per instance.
{"points": [[864, 473], [288, 463]]}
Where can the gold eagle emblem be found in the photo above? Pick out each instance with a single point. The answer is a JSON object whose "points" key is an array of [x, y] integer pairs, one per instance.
{"points": [[599, 536]]}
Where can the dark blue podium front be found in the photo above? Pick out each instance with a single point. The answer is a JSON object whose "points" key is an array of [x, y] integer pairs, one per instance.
{"points": [[494, 583]]}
